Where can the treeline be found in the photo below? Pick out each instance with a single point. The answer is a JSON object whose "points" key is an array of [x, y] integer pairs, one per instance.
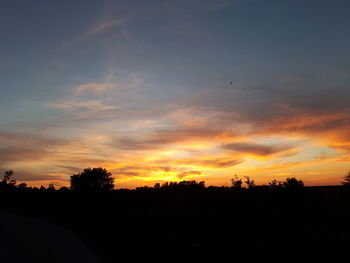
{"points": [[8, 183], [100, 180]]}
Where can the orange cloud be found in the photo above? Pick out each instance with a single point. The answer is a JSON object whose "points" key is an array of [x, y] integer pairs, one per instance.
{"points": [[211, 163], [331, 129], [155, 145], [167, 137]]}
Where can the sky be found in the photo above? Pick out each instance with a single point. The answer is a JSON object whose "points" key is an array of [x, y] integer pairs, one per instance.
{"points": [[162, 90]]}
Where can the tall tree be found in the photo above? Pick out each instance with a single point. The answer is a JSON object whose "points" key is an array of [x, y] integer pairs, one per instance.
{"points": [[92, 180]]}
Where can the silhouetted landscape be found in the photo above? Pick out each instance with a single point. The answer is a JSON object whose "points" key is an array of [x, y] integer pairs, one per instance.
{"points": [[185, 218], [174, 130]]}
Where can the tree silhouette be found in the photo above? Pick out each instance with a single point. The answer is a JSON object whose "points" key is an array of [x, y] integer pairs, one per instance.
{"points": [[92, 180], [346, 181], [8, 183], [274, 184], [185, 185], [250, 183], [293, 183], [7, 178], [64, 189], [51, 188], [236, 182], [22, 186], [7, 175]]}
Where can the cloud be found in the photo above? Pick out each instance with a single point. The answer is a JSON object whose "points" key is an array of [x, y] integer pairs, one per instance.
{"points": [[26, 176], [164, 137], [97, 29], [109, 83], [104, 26], [24, 147], [327, 127], [95, 88], [256, 149], [289, 106], [93, 105], [203, 135], [152, 170], [210, 162], [189, 173], [101, 100]]}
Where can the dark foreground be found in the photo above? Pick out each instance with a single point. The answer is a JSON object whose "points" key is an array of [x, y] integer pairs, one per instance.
{"points": [[150, 222]]}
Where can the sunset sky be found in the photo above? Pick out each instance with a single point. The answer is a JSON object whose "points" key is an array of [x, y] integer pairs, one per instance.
{"points": [[143, 88]]}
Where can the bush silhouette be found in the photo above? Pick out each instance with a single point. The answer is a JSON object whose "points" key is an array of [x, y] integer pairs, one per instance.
{"points": [[250, 183], [8, 183], [293, 183], [22, 186], [236, 182], [63, 189], [92, 180], [51, 188], [274, 184], [346, 181]]}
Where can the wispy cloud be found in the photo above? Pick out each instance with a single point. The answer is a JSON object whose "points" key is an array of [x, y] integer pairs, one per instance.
{"points": [[162, 138], [104, 26], [212, 163], [97, 29], [94, 87], [90, 105], [109, 83]]}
